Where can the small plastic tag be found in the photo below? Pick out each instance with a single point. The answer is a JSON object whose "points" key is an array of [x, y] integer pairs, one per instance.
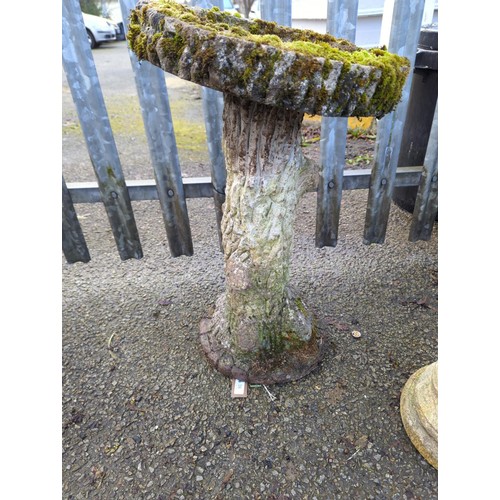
{"points": [[239, 389]]}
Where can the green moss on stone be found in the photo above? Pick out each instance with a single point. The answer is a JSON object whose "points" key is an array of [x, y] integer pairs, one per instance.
{"points": [[251, 61], [273, 40], [327, 68], [188, 17], [257, 30], [173, 46], [300, 306], [307, 43]]}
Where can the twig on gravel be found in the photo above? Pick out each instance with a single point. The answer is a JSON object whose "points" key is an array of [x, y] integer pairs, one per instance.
{"points": [[355, 453], [225, 480], [142, 410], [110, 348], [78, 467], [272, 397], [130, 423]]}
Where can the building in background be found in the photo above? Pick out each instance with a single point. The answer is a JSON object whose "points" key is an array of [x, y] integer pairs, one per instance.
{"points": [[311, 14], [307, 14]]}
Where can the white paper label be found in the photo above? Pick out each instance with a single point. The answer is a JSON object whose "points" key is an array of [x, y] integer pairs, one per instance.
{"points": [[239, 387]]}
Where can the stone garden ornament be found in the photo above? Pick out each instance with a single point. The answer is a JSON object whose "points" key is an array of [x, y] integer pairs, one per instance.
{"points": [[261, 331], [419, 411]]}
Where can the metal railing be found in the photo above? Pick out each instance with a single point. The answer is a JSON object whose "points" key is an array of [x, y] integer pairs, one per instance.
{"points": [[168, 186]]}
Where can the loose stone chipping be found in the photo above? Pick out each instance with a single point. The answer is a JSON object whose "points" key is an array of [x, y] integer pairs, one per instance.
{"points": [[270, 75]]}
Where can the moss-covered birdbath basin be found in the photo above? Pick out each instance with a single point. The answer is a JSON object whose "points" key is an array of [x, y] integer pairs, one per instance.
{"points": [[262, 331]]}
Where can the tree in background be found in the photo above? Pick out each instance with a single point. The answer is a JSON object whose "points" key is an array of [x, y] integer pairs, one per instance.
{"points": [[93, 7]]}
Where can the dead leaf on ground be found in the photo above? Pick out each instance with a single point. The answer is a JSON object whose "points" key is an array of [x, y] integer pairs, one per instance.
{"points": [[98, 474], [361, 442], [227, 476], [335, 394], [112, 449], [423, 302]]}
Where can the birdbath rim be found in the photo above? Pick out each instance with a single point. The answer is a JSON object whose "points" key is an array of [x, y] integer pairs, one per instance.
{"points": [[263, 62]]}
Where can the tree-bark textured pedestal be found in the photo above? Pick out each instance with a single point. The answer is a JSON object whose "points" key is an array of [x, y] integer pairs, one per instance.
{"points": [[419, 411], [261, 331]]}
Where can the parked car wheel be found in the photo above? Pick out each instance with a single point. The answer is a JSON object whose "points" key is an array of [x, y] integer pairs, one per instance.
{"points": [[92, 42], [99, 30]]}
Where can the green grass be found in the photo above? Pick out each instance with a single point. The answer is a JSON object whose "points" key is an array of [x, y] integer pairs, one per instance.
{"points": [[126, 120], [360, 132]]}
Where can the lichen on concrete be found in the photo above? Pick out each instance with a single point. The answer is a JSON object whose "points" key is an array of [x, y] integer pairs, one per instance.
{"points": [[271, 64]]}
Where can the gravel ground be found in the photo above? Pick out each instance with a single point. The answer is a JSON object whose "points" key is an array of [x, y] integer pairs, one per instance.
{"points": [[144, 416]]}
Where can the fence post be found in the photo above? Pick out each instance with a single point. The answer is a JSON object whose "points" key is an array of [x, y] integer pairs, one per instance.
{"points": [[426, 204], [341, 23], [213, 104], [73, 242], [420, 113], [157, 118], [405, 31], [279, 11], [82, 78]]}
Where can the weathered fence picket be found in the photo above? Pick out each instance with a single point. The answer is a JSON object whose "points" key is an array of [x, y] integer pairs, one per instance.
{"points": [[73, 242], [403, 40], [341, 22], [426, 204], [172, 190], [84, 83], [157, 118], [213, 104], [420, 113], [279, 11]]}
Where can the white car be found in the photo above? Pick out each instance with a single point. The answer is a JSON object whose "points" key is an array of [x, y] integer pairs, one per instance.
{"points": [[99, 30]]}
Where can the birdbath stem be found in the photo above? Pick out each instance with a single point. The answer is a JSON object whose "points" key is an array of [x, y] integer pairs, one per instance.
{"points": [[258, 318]]}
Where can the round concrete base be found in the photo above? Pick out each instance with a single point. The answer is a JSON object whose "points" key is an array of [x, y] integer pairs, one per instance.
{"points": [[289, 366], [419, 411]]}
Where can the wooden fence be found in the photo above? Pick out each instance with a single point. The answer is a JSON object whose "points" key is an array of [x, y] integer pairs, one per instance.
{"points": [[172, 190]]}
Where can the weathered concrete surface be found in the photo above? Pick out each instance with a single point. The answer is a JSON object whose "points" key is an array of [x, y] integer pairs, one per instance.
{"points": [[419, 411]]}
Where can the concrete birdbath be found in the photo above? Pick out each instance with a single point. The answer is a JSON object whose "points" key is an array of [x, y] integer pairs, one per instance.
{"points": [[261, 331], [419, 411]]}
